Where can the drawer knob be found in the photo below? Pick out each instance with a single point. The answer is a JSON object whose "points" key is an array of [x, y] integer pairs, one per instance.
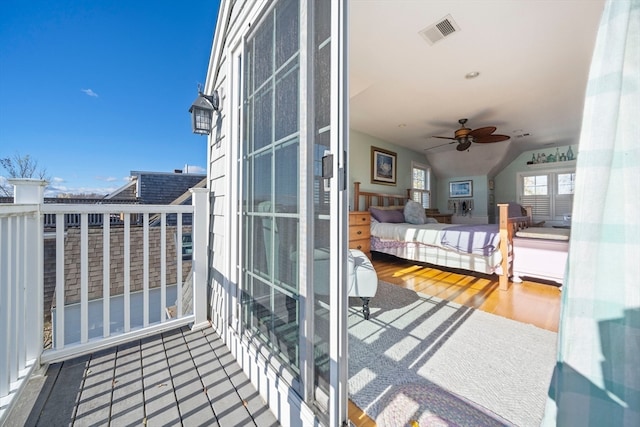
{"points": [[359, 232], [359, 247], [363, 219]]}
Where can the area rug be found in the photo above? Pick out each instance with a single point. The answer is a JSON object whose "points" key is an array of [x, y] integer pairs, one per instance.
{"points": [[421, 360]]}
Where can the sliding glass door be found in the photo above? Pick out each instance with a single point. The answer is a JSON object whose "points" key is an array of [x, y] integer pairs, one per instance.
{"points": [[292, 198]]}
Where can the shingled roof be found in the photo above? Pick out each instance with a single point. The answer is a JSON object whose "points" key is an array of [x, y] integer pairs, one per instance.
{"points": [[160, 188]]}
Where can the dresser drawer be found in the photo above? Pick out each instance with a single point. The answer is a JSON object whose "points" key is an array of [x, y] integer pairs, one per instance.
{"points": [[359, 232], [363, 244], [357, 218]]}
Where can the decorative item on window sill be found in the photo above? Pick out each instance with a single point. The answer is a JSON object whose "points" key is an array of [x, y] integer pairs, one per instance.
{"points": [[461, 207], [552, 158]]}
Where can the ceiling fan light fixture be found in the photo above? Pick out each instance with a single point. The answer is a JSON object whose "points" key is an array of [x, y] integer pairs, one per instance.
{"points": [[472, 75]]}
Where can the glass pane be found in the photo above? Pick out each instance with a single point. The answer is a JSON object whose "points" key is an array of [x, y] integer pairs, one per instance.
{"points": [[263, 52], [286, 253], [419, 178], [265, 239], [287, 102], [535, 185], [287, 33], [322, 95], [286, 178], [322, 86], [261, 182], [566, 183], [262, 119], [285, 331]]}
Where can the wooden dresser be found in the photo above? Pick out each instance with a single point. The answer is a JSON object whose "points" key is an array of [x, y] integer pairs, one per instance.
{"points": [[360, 232]]}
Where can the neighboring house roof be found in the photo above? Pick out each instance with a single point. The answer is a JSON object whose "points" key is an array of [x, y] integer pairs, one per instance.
{"points": [[127, 191], [159, 188]]}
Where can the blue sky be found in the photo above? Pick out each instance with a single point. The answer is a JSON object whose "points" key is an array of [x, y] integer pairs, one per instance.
{"points": [[93, 89]]}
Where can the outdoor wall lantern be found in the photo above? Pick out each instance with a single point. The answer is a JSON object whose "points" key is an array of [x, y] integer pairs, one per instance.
{"points": [[202, 112]]}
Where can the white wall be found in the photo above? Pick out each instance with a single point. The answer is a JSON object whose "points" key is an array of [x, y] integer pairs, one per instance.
{"points": [[479, 214], [360, 165], [506, 180]]}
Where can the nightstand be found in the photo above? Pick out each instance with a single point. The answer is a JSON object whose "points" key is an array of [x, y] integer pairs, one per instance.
{"points": [[435, 214], [360, 232], [442, 218]]}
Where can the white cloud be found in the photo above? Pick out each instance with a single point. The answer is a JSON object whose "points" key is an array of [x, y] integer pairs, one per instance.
{"points": [[55, 190], [90, 92], [57, 180], [106, 178]]}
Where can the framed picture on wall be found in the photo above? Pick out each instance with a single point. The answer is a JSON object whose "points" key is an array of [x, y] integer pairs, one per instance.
{"points": [[461, 188], [383, 166]]}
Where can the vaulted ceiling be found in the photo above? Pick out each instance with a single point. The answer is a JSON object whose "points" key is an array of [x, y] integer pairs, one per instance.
{"points": [[532, 56]]}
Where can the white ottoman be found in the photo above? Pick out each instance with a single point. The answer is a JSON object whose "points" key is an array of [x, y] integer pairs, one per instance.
{"points": [[362, 279]]}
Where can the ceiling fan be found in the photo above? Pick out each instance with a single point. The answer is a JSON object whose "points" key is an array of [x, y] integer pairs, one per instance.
{"points": [[465, 136]]}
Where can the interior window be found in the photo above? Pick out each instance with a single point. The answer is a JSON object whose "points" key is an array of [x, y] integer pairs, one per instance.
{"points": [[550, 194], [421, 184]]}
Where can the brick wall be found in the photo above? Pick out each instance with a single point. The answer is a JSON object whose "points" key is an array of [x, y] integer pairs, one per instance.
{"points": [[72, 262]]}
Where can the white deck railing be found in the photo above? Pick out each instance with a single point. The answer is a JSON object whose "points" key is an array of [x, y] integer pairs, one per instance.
{"points": [[101, 310]]}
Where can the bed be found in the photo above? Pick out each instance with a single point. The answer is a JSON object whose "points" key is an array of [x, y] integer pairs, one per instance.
{"points": [[482, 248]]}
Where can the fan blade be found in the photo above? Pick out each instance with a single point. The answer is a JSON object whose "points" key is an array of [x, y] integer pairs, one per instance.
{"points": [[443, 137], [491, 138], [441, 145], [483, 131], [464, 146]]}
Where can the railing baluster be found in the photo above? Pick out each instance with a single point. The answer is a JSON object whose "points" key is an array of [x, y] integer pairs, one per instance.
{"points": [[179, 265], [59, 340], [13, 301], [84, 278], [106, 276], [145, 268], [5, 313], [163, 266], [21, 304], [127, 272]]}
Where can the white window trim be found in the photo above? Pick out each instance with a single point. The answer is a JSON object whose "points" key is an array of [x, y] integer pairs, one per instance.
{"points": [[427, 169], [552, 173]]}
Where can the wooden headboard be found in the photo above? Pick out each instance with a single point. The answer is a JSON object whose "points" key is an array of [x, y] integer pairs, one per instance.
{"points": [[363, 199]]}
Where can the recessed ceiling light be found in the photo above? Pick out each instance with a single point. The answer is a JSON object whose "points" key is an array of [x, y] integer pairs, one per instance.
{"points": [[472, 75]]}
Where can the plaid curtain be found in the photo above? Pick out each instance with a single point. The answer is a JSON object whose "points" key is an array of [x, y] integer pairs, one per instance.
{"points": [[597, 376]]}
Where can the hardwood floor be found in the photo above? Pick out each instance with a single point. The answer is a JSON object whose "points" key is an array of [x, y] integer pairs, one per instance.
{"points": [[528, 302]]}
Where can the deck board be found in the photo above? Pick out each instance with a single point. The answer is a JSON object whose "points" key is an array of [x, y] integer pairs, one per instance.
{"points": [[229, 404], [127, 404], [62, 402], [195, 408], [160, 403], [95, 400], [180, 377]]}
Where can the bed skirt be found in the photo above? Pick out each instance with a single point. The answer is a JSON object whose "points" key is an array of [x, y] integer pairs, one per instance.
{"points": [[440, 257]]}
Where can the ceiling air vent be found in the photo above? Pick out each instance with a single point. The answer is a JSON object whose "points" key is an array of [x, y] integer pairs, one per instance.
{"points": [[441, 29]]}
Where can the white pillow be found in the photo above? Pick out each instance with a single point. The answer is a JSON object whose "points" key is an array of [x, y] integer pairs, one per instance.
{"points": [[414, 213]]}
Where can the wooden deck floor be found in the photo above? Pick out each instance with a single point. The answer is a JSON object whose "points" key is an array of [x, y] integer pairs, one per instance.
{"points": [[171, 379]]}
